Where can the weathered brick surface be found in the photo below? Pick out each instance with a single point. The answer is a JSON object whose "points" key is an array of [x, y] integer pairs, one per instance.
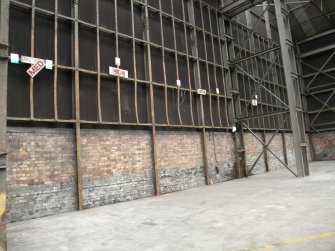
{"points": [[221, 156], [309, 155], [41, 172], [252, 149], [290, 152], [324, 145], [117, 166], [180, 160], [276, 147]]}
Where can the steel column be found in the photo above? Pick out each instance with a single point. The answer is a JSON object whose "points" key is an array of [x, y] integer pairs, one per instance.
{"points": [[151, 104], [294, 98], [77, 109], [236, 106], [4, 25]]}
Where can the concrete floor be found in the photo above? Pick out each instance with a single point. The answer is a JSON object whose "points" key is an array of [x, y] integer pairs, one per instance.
{"points": [[272, 211]]}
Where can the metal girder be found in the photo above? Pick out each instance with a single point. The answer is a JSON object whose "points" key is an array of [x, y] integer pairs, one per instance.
{"points": [[293, 93], [253, 28], [320, 70], [77, 111], [4, 27], [311, 20], [264, 145], [256, 55], [263, 115], [274, 95], [322, 11], [325, 104], [236, 103], [238, 6], [323, 72]]}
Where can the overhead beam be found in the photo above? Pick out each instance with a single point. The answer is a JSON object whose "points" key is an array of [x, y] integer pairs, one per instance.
{"points": [[239, 6]]}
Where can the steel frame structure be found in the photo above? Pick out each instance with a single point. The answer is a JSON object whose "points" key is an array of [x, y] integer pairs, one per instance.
{"points": [[317, 96], [257, 52], [293, 105]]}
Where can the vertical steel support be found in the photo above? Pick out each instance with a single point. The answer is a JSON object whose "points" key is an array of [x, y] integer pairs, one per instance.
{"points": [[205, 155], [311, 146], [266, 160], [196, 67], [293, 90], [151, 102], [4, 24], [77, 106], [304, 103], [284, 148], [241, 169]]}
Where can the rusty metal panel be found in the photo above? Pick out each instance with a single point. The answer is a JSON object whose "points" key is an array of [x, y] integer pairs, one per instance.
{"points": [[18, 99], [87, 49], [64, 43], [65, 95], [87, 11], [43, 95], [88, 97]]}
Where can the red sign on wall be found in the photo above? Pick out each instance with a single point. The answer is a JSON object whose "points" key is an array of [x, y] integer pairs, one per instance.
{"points": [[36, 68]]}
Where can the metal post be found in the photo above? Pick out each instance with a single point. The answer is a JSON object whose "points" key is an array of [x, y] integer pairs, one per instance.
{"points": [[266, 161], [205, 155], [293, 91], [284, 148], [151, 104], [4, 24], [236, 104], [77, 112]]}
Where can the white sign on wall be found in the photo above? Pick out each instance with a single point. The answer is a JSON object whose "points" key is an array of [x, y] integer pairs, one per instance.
{"points": [[118, 72], [36, 68]]}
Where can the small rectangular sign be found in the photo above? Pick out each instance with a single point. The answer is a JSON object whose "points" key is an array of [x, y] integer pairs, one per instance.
{"points": [[201, 91], [14, 58], [118, 72], [36, 68], [254, 102], [29, 60]]}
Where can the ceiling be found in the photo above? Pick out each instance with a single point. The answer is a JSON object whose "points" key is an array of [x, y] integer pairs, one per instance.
{"points": [[311, 17]]}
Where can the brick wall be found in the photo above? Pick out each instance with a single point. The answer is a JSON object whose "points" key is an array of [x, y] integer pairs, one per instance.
{"points": [[41, 172], [180, 160], [117, 166], [324, 145], [276, 146], [221, 156], [252, 149]]}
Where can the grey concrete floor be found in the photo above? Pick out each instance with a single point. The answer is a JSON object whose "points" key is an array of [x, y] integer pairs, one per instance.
{"points": [[272, 211]]}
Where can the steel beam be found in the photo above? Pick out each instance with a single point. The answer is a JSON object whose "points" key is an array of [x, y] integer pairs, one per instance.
{"points": [[4, 26], [293, 91], [205, 156], [236, 103], [265, 148], [256, 55], [243, 124], [238, 6], [253, 29], [151, 102], [77, 110]]}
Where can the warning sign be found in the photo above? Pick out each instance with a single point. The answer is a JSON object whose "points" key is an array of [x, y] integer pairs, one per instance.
{"points": [[36, 68]]}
